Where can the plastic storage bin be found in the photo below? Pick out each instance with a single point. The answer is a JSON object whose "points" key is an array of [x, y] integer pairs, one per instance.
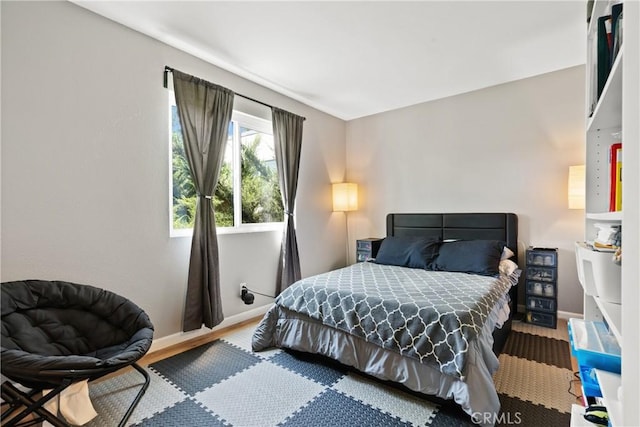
{"points": [[541, 304], [542, 257], [542, 319], [541, 281], [543, 289], [594, 346], [541, 274], [589, 382], [598, 274]]}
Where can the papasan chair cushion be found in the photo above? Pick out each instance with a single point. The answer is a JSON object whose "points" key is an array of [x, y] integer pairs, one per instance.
{"points": [[56, 332]]}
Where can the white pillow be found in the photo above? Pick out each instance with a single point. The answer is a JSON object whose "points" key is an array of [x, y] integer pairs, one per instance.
{"points": [[507, 267], [506, 254]]}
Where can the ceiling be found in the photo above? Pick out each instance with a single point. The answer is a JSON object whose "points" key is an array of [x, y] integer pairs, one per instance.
{"points": [[354, 59]]}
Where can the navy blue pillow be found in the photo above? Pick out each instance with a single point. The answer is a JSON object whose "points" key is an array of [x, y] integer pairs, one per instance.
{"points": [[470, 256], [408, 251]]}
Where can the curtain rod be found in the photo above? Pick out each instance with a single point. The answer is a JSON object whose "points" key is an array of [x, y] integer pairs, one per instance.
{"points": [[168, 70]]}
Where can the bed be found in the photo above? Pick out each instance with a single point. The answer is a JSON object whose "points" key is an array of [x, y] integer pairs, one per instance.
{"points": [[435, 329]]}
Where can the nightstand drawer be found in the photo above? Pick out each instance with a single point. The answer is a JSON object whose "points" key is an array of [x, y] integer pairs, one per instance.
{"points": [[364, 245], [367, 249]]}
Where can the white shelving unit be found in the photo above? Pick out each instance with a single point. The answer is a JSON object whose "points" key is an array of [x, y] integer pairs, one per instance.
{"points": [[616, 114], [605, 216]]}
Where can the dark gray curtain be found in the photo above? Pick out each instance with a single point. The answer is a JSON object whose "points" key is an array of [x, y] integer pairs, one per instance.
{"points": [[287, 136], [204, 110]]}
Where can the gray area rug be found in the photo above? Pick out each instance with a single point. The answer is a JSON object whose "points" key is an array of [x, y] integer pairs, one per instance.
{"points": [[224, 383]]}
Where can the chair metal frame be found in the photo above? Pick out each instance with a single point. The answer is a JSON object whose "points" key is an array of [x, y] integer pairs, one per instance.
{"points": [[32, 404]]}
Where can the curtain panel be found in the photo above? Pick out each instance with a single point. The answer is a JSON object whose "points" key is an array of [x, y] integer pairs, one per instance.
{"points": [[204, 110], [287, 136]]}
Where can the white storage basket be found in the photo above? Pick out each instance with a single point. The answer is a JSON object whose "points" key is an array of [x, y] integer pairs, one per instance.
{"points": [[598, 274]]}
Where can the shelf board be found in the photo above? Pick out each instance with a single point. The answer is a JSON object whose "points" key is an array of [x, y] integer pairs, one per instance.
{"points": [[609, 383], [613, 315], [605, 216], [608, 111], [577, 417]]}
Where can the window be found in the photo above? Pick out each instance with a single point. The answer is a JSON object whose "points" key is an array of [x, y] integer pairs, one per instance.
{"points": [[247, 196]]}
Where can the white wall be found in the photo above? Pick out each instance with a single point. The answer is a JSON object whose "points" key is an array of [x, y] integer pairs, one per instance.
{"points": [[85, 166], [506, 148]]}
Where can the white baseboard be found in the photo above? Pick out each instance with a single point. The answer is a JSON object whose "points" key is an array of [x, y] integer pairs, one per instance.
{"points": [[567, 315], [169, 340]]}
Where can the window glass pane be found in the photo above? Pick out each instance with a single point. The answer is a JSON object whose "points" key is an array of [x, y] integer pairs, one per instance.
{"points": [[261, 199], [184, 193], [247, 191], [223, 196]]}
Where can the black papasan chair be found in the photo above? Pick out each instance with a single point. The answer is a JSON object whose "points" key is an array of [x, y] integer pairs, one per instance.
{"points": [[57, 333]]}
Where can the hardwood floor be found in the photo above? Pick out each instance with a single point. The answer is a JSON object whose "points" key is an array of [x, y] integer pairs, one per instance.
{"points": [[195, 342], [172, 350]]}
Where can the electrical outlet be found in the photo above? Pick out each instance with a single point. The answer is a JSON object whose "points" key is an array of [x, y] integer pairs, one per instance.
{"points": [[246, 296]]}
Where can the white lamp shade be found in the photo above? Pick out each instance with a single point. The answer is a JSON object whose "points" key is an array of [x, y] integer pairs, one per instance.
{"points": [[576, 187], [345, 197]]}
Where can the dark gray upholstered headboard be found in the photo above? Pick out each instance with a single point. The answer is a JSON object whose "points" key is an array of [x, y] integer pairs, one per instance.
{"points": [[467, 226]]}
